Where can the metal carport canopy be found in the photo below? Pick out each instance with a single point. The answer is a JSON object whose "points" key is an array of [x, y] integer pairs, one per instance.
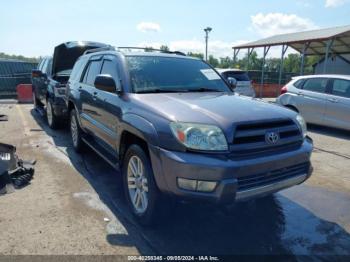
{"points": [[316, 39]]}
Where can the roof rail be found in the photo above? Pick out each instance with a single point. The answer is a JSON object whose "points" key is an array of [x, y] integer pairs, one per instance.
{"points": [[105, 48], [152, 49]]}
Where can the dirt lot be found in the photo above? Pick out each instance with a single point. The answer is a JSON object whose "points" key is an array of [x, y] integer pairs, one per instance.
{"points": [[74, 205]]}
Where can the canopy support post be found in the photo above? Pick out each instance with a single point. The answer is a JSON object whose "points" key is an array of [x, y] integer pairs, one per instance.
{"points": [[266, 50], [250, 51], [284, 50], [328, 46], [306, 46], [235, 54]]}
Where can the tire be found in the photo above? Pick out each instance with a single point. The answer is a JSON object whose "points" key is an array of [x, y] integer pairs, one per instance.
{"points": [[76, 132], [52, 119], [145, 205]]}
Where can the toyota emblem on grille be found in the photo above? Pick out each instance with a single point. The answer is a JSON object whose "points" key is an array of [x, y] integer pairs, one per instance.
{"points": [[272, 137]]}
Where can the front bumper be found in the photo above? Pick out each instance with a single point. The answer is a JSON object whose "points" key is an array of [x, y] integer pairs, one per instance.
{"points": [[168, 166]]}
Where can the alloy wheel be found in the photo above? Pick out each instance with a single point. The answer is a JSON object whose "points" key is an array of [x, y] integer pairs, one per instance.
{"points": [[137, 184]]}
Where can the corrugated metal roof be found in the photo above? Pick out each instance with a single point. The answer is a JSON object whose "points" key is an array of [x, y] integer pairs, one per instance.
{"points": [[316, 38]]}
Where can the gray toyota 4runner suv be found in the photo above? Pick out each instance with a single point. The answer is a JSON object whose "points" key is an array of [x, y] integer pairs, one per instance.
{"points": [[173, 126]]}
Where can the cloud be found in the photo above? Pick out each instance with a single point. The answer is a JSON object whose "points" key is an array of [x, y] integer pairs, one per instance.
{"points": [[148, 27], [217, 48], [335, 3], [278, 23]]}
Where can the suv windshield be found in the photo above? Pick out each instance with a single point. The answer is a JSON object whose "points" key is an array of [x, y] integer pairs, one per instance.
{"points": [[150, 74]]}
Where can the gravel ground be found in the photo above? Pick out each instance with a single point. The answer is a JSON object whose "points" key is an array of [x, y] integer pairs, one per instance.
{"points": [[74, 205]]}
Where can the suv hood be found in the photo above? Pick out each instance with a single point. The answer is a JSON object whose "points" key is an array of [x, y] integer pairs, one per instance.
{"points": [[66, 54], [222, 109]]}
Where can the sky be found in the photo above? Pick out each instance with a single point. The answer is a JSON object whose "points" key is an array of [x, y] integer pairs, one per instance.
{"points": [[34, 28]]}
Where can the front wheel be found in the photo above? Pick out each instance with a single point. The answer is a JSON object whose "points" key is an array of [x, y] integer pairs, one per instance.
{"points": [[142, 194]]}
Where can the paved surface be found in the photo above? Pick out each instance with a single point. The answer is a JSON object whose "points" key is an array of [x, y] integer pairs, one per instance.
{"points": [[63, 210]]}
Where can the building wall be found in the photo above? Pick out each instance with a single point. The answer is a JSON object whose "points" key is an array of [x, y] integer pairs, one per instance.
{"points": [[12, 73], [335, 65]]}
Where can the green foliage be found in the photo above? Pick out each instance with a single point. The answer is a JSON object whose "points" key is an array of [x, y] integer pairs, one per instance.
{"points": [[198, 55], [213, 61], [20, 57], [164, 48]]}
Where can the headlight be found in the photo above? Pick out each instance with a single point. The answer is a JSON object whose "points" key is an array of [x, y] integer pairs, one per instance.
{"points": [[60, 91], [302, 125], [199, 137]]}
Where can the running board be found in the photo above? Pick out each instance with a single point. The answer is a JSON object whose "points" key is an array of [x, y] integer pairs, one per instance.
{"points": [[103, 153]]}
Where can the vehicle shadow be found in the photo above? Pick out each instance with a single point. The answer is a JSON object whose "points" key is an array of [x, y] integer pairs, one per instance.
{"points": [[329, 131], [255, 227]]}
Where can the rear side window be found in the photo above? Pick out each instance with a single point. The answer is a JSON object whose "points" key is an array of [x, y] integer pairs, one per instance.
{"points": [[315, 84], [93, 70], [239, 76], [299, 83], [341, 88]]}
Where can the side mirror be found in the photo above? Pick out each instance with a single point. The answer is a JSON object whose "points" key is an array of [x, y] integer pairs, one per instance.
{"points": [[232, 81], [106, 83], [36, 73]]}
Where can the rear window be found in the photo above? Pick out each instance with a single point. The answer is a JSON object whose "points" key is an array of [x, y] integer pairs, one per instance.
{"points": [[239, 76]]}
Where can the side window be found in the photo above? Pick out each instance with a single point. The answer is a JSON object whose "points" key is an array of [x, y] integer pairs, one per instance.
{"points": [[110, 68], [49, 67], [77, 69], [44, 66], [40, 66], [341, 88], [315, 85], [93, 70]]}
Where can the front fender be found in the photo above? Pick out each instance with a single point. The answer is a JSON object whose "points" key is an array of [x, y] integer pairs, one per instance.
{"points": [[140, 127]]}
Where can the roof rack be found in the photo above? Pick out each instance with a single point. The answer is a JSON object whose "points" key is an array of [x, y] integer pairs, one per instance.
{"points": [[94, 50], [152, 49]]}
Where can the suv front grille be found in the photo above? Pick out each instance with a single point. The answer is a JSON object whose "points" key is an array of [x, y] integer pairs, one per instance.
{"points": [[263, 179], [250, 137]]}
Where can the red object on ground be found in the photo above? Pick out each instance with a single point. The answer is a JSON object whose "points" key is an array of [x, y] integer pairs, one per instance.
{"points": [[24, 93]]}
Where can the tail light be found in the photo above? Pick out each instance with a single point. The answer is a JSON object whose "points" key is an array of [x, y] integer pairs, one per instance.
{"points": [[284, 90]]}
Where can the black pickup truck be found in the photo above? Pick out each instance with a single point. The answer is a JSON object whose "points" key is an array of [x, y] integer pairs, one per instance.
{"points": [[50, 78]]}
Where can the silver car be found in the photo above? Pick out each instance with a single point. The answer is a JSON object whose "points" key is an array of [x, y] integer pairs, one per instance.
{"points": [[244, 85], [320, 99]]}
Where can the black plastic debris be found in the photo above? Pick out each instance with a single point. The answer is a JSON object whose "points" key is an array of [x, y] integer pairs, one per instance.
{"points": [[13, 171], [3, 118]]}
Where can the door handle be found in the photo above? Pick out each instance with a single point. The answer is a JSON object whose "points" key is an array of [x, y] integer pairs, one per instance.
{"points": [[80, 89], [94, 95], [300, 93], [333, 100]]}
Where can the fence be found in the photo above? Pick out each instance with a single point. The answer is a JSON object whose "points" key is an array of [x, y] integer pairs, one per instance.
{"points": [[271, 87], [12, 73]]}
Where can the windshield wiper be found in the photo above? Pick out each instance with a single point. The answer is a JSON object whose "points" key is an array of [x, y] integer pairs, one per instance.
{"points": [[161, 90], [204, 89]]}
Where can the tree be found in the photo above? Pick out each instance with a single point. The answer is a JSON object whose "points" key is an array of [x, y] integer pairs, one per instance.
{"points": [[198, 55], [213, 61], [164, 48]]}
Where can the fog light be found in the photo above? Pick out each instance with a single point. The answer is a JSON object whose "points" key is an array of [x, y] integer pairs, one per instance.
{"points": [[187, 184], [206, 186]]}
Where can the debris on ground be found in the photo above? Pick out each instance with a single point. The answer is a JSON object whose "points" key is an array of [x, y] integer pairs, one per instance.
{"points": [[14, 172]]}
